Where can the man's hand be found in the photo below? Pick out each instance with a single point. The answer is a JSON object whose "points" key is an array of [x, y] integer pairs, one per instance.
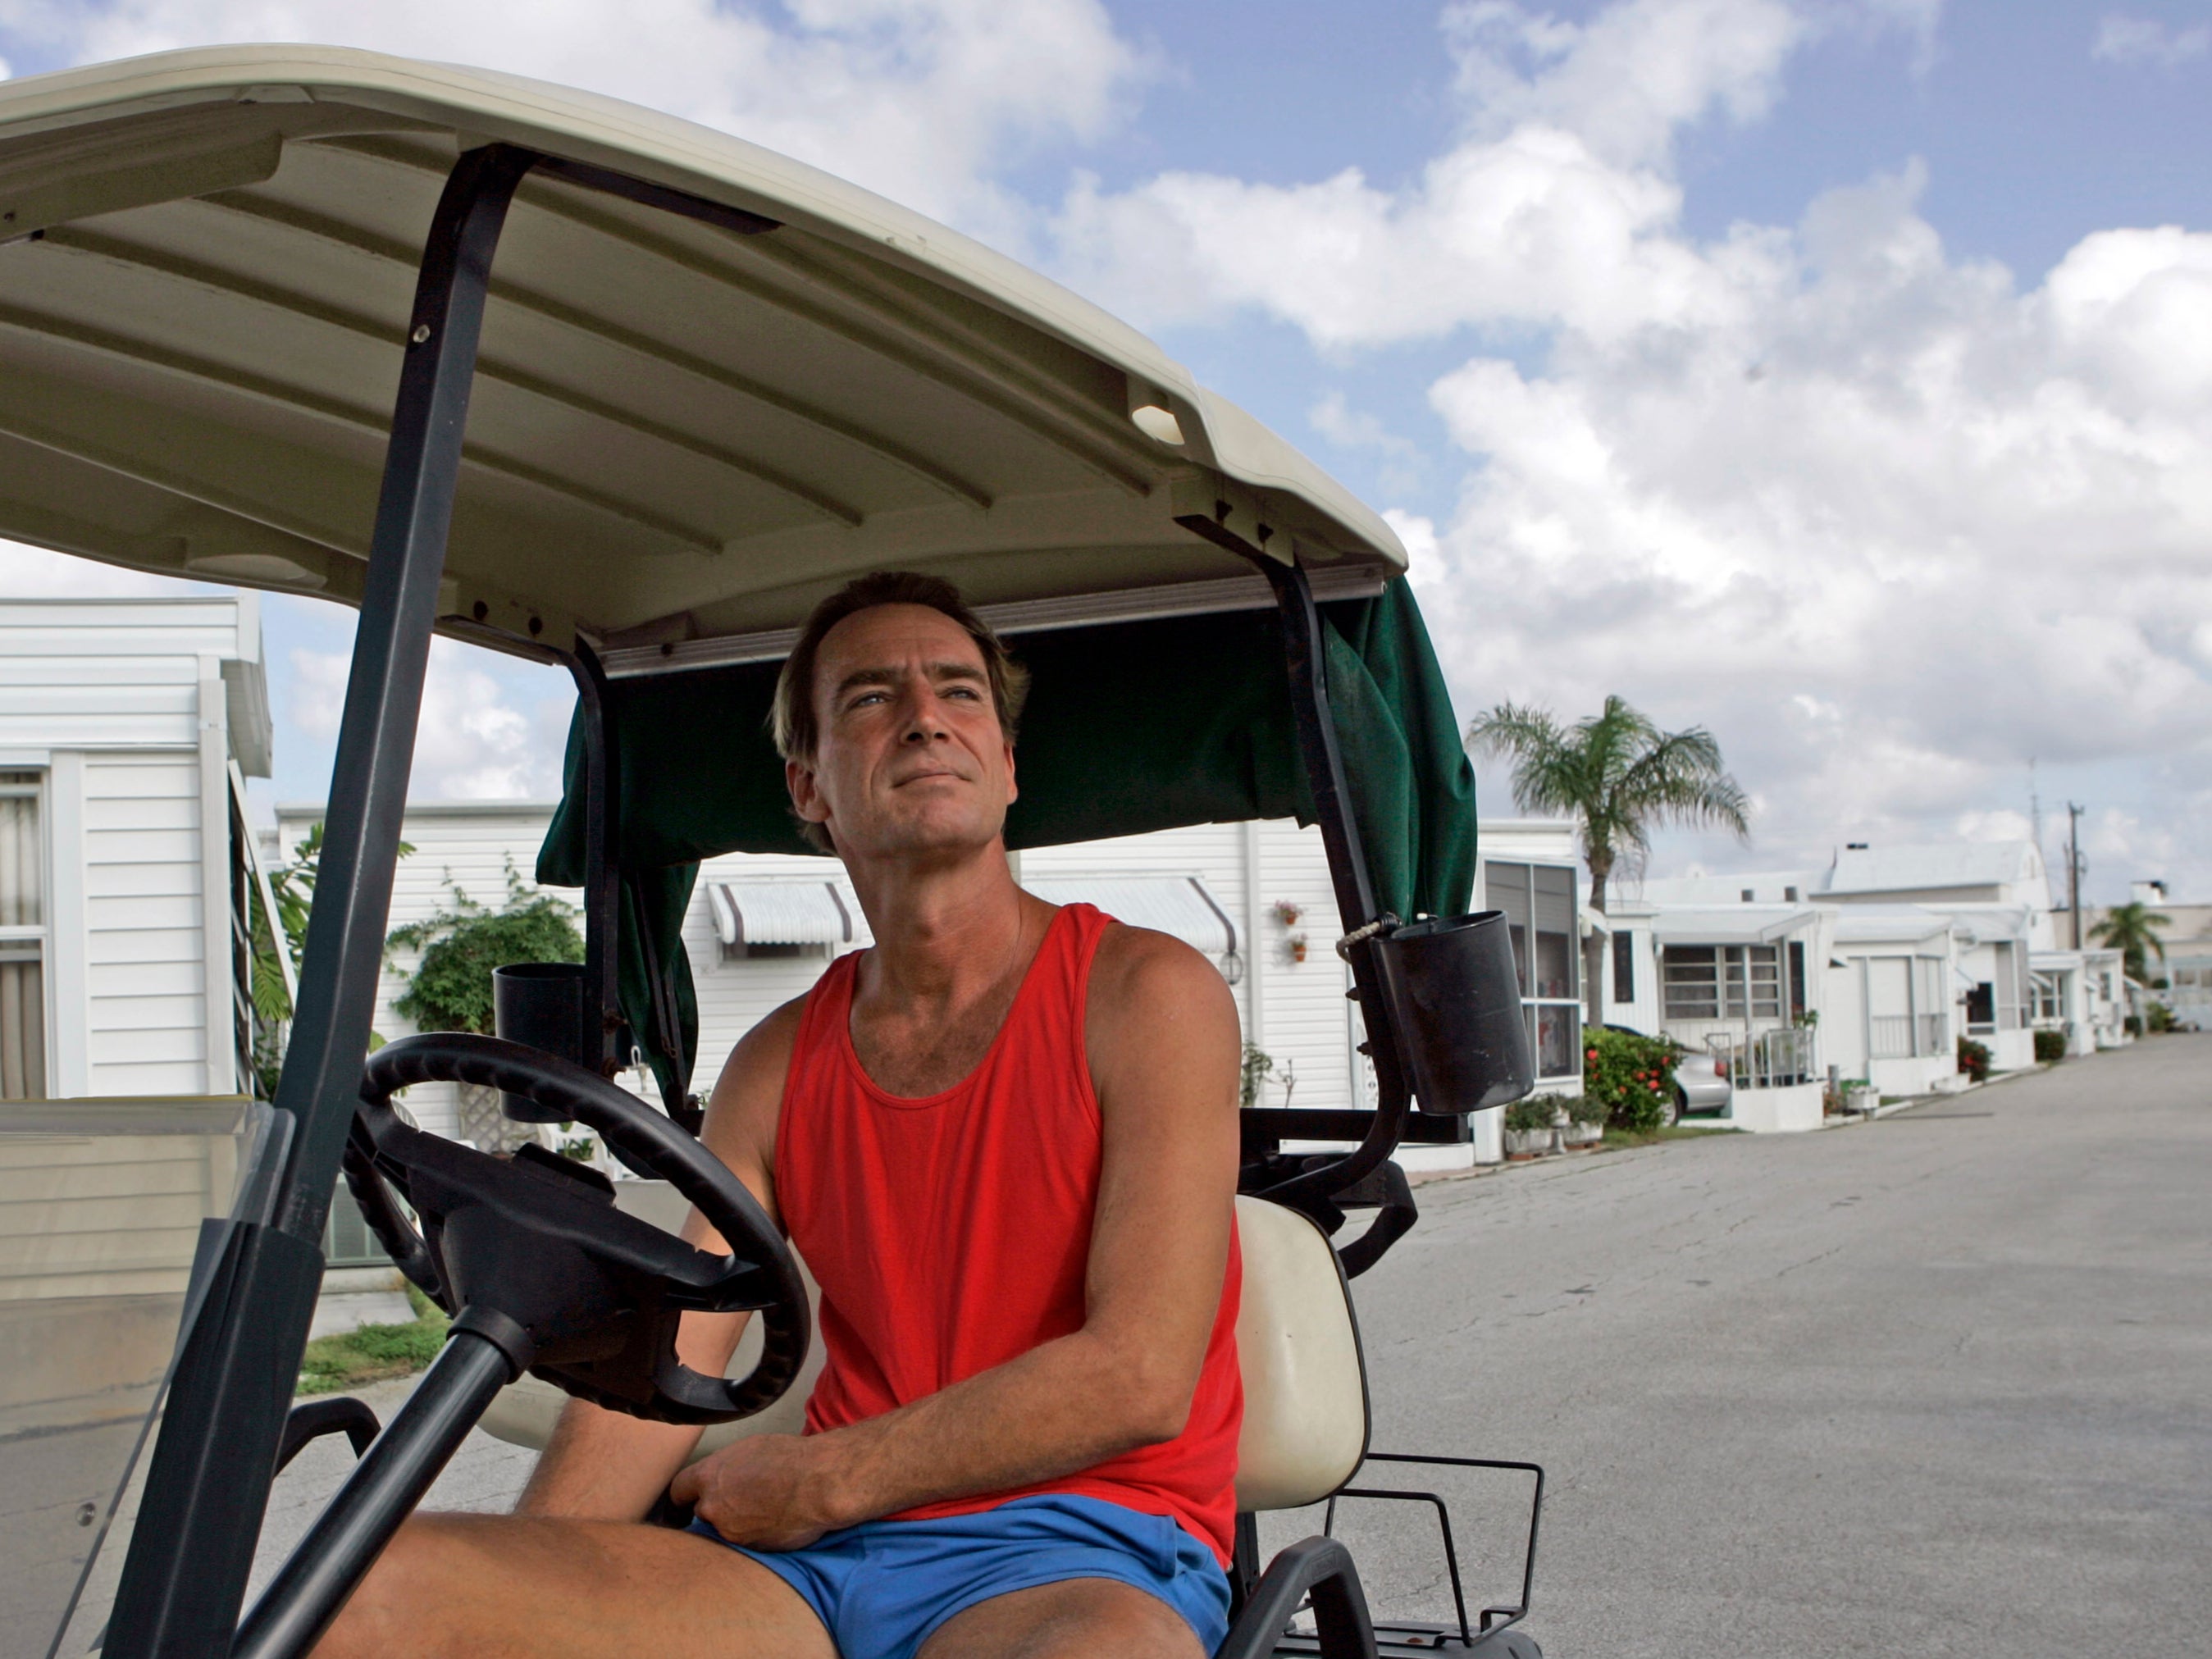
{"points": [[766, 1492]]}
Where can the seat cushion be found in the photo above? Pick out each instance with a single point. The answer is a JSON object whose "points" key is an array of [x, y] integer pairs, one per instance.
{"points": [[1305, 1384]]}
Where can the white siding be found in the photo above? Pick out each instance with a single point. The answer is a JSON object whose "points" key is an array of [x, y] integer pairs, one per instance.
{"points": [[109, 701]]}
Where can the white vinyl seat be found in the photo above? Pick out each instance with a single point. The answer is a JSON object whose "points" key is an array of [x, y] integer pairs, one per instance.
{"points": [[1297, 1343]]}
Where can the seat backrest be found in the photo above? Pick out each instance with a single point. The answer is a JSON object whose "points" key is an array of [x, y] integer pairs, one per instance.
{"points": [[1305, 1383], [1297, 1343]]}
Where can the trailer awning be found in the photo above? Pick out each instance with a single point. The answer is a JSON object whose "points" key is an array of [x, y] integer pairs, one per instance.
{"points": [[779, 913], [1745, 924], [1179, 906]]}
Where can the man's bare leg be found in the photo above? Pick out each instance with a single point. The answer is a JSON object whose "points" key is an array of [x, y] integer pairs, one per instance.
{"points": [[1076, 1619], [482, 1586]]}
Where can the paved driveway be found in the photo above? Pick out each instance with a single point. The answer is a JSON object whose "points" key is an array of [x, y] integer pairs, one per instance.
{"points": [[1934, 1385]]}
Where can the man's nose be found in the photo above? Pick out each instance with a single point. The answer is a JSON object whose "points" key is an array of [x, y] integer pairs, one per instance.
{"points": [[923, 723]]}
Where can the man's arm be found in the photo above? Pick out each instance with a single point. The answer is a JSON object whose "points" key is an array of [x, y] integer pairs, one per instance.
{"points": [[608, 1466], [1163, 1039]]}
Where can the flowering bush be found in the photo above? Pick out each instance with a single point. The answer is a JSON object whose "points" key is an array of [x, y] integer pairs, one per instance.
{"points": [[1633, 1076], [1974, 1059]]}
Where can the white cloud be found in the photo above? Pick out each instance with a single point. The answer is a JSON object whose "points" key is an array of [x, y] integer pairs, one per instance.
{"points": [[2131, 40], [472, 743], [34, 572], [925, 101], [1629, 79], [1888, 521]]}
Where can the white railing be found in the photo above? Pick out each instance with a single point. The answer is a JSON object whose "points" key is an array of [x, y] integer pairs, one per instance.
{"points": [[1770, 1059]]}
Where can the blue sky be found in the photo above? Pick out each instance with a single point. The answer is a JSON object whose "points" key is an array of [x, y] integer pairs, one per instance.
{"points": [[1834, 373]]}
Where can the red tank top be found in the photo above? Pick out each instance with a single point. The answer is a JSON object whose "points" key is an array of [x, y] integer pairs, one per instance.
{"points": [[950, 1233]]}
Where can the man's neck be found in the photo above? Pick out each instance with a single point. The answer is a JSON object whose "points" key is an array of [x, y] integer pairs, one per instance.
{"points": [[946, 929]]}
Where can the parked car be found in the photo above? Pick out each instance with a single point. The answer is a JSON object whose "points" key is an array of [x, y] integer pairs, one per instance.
{"points": [[1701, 1080]]}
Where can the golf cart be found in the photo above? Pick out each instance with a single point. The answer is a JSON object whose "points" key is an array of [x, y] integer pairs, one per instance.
{"points": [[573, 380]]}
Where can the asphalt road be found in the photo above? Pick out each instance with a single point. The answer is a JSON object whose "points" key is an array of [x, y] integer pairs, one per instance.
{"points": [[1940, 1384]]}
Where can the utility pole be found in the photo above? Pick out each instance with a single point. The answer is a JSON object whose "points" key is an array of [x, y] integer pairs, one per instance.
{"points": [[2035, 809], [2074, 869]]}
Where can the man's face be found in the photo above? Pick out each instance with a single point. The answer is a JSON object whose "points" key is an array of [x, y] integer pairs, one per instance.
{"points": [[909, 756]]}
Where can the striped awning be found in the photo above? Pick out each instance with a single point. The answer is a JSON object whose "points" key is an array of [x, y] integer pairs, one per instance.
{"points": [[1179, 906], [779, 913]]}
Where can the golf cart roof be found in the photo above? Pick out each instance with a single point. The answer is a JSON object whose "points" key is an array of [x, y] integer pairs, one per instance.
{"points": [[684, 430]]}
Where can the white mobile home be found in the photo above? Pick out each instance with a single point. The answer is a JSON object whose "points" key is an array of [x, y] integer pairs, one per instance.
{"points": [[124, 727]]}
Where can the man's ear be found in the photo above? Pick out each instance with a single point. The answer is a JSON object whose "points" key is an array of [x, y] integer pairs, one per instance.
{"points": [[1013, 788], [805, 799]]}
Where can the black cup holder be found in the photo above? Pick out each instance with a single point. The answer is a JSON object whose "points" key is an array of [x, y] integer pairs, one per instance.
{"points": [[540, 1005], [1455, 1001]]}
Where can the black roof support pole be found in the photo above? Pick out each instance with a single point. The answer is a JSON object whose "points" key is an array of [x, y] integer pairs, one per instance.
{"points": [[1355, 891], [1347, 865], [602, 861], [207, 1483]]}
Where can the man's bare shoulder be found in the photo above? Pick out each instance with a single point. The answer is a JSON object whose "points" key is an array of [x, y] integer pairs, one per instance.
{"points": [[748, 1097], [1147, 986]]}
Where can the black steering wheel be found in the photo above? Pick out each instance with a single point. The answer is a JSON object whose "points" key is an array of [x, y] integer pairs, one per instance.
{"points": [[581, 1293]]}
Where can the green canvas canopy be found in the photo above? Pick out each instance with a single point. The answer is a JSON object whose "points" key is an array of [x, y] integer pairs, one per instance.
{"points": [[1131, 727]]}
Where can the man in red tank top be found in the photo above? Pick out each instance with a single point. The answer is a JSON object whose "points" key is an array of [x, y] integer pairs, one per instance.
{"points": [[1005, 1140]]}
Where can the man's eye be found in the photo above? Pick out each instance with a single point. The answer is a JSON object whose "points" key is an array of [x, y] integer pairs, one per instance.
{"points": [[967, 692]]}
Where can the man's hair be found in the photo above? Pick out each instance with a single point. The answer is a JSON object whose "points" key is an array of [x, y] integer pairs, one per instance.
{"points": [[796, 729]]}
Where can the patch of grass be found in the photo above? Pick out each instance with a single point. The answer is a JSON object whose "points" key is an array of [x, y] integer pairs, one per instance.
{"points": [[1620, 1139], [374, 1353]]}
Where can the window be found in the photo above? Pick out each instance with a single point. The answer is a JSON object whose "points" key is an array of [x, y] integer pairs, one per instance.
{"points": [[1538, 902], [22, 941], [1624, 967], [1722, 981], [1746, 896], [1981, 1009], [1796, 978]]}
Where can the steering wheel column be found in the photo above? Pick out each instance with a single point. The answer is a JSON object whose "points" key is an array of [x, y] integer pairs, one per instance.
{"points": [[541, 1273]]}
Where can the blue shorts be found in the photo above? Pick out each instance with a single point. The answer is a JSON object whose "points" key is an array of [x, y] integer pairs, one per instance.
{"points": [[881, 1589]]}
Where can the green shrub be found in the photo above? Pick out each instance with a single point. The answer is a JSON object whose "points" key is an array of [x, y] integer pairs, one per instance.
{"points": [[2132, 1024], [2160, 1018], [1631, 1077], [1974, 1059], [2050, 1046], [450, 990], [1585, 1108]]}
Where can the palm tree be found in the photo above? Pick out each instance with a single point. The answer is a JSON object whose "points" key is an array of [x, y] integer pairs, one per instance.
{"points": [[1619, 776], [2132, 929]]}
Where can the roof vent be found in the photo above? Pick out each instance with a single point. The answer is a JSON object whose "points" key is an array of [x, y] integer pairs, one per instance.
{"points": [[1855, 847]]}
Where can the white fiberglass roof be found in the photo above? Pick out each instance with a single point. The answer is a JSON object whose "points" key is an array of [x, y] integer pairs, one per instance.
{"points": [[679, 433]]}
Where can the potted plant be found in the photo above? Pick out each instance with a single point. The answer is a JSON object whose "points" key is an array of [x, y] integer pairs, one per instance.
{"points": [[1528, 1126], [1586, 1120]]}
